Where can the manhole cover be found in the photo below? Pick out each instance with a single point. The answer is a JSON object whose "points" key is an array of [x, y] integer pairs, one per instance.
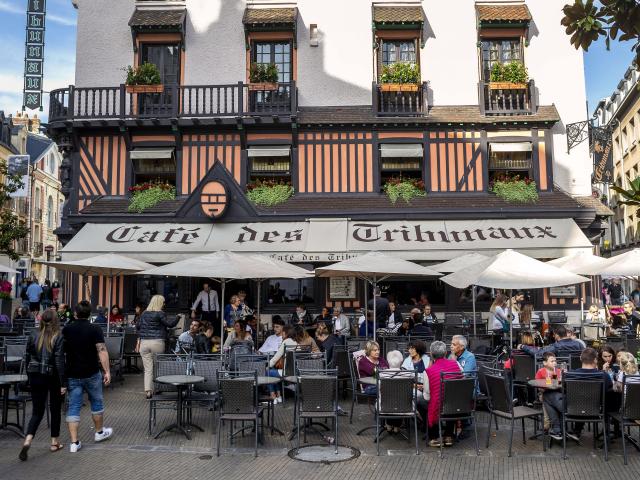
{"points": [[324, 453]]}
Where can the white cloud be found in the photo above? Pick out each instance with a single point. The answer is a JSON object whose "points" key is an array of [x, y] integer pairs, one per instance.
{"points": [[59, 19], [10, 7]]}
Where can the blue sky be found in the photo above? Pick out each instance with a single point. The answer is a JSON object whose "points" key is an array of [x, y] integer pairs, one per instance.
{"points": [[603, 69]]}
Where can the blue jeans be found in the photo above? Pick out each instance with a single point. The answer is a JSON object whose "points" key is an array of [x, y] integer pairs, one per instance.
{"points": [[77, 386], [273, 372]]}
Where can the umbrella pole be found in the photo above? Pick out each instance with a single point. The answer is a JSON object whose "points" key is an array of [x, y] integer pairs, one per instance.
{"points": [[258, 306], [375, 286], [366, 306], [509, 314], [473, 297], [109, 311], [223, 282]]}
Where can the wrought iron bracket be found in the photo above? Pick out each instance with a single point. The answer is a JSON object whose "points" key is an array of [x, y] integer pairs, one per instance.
{"points": [[577, 133]]}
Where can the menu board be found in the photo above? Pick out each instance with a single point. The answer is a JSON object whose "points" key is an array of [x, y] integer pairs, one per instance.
{"points": [[342, 287]]}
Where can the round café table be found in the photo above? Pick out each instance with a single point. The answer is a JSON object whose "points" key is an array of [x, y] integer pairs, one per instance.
{"points": [[6, 381], [13, 359], [543, 385], [367, 380], [181, 382], [262, 380]]}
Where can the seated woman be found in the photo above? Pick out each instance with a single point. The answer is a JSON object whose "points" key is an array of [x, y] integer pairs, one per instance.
{"points": [[418, 359], [276, 364], [406, 327], [371, 363], [325, 340], [431, 393], [394, 322], [595, 315], [628, 366], [116, 317], [239, 334]]}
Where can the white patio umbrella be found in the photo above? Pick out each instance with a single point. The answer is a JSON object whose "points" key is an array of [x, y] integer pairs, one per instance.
{"points": [[109, 265], [375, 267], [224, 266], [624, 265], [512, 270], [5, 269], [459, 263]]}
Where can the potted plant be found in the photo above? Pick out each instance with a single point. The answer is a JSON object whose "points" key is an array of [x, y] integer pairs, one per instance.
{"points": [[400, 77], [143, 79], [405, 188], [5, 298], [149, 194], [508, 76], [268, 193], [515, 189], [263, 76]]}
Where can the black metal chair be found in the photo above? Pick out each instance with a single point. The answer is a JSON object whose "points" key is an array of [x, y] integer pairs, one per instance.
{"points": [[309, 361], [239, 403], [258, 363], [357, 390], [457, 394], [500, 402], [523, 368], [583, 401], [115, 349], [340, 362], [129, 354], [397, 391], [629, 414], [317, 397], [205, 394]]}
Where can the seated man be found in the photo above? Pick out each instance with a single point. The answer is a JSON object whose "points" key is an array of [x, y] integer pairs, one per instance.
{"points": [[272, 343], [100, 319], [186, 339], [564, 346]]}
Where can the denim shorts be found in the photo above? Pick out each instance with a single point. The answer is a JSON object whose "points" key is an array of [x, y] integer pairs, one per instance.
{"points": [[77, 386]]}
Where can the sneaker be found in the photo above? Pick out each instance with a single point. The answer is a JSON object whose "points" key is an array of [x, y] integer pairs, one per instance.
{"points": [[434, 443], [448, 441], [74, 447], [106, 433], [574, 436], [556, 436]]}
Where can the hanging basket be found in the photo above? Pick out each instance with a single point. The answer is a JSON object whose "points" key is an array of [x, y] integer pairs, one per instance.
{"points": [[144, 88]]}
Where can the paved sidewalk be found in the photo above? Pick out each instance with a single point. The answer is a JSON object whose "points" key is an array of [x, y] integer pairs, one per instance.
{"points": [[132, 453]]}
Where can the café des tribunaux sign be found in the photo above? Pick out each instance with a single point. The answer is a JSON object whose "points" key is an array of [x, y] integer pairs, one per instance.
{"points": [[330, 240]]}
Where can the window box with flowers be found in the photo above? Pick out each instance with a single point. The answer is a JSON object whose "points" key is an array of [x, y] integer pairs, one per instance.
{"points": [[143, 79], [515, 188], [147, 195], [400, 77], [405, 188], [263, 76], [509, 76], [268, 193]]}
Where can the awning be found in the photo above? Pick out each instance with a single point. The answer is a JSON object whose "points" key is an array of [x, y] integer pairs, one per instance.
{"points": [[503, 14], [144, 18], [511, 146], [269, 16], [151, 153], [269, 151], [331, 240], [398, 14], [401, 150]]}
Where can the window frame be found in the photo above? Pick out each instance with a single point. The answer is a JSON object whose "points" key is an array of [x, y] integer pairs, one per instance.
{"points": [[383, 174], [530, 171], [382, 39], [272, 42], [486, 75], [135, 175]]}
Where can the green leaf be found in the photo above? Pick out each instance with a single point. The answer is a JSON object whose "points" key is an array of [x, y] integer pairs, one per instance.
{"points": [[269, 195], [517, 191], [145, 199]]}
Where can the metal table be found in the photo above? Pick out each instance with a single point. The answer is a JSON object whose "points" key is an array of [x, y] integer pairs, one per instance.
{"points": [[6, 381], [181, 382], [543, 385]]}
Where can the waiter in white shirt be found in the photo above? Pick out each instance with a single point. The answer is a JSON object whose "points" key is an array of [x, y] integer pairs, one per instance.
{"points": [[210, 307]]}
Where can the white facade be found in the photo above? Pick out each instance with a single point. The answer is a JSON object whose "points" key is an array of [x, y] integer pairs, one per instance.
{"points": [[340, 70]]}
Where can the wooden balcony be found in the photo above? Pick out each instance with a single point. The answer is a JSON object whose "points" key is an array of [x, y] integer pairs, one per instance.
{"points": [[175, 101], [400, 103], [507, 101]]}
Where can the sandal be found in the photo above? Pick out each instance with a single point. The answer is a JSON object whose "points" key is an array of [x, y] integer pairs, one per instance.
{"points": [[54, 447], [23, 455]]}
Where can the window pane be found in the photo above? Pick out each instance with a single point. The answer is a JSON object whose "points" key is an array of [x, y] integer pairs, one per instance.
{"points": [[285, 291]]}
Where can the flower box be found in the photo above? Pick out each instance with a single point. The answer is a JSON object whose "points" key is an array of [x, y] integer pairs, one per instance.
{"points": [[399, 87], [507, 86], [144, 88], [257, 86]]}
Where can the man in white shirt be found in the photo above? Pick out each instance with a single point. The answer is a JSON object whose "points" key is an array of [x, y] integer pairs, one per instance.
{"points": [[210, 307], [186, 339], [273, 342], [341, 325]]}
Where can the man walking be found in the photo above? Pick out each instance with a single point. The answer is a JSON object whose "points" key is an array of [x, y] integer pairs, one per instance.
{"points": [[34, 292], [210, 307], [86, 354]]}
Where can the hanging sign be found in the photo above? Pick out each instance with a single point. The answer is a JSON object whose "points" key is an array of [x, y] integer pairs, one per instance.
{"points": [[601, 142], [34, 55]]}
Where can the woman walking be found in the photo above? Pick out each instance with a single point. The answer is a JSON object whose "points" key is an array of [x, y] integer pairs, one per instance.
{"points": [[45, 368], [152, 334]]}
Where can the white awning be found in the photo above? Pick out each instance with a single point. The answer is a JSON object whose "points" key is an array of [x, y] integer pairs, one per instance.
{"points": [[151, 153], [401, 150], [511, 146], [332, 240], [269, 151]]}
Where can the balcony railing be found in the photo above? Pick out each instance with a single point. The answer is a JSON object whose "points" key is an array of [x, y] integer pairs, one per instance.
{"points": [[22, 246], [511, 100], [175, 101], [399, 103]]}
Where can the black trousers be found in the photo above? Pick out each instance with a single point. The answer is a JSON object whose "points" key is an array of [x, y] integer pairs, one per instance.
{"points": [[210, 317], [41, 385]]}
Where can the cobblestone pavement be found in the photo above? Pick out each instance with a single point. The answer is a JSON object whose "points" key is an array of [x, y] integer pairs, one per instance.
{"points": [[132, 453]]}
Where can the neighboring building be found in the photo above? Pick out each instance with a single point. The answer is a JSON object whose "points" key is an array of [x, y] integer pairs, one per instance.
{"points": [[621, 113], [331, 129]]}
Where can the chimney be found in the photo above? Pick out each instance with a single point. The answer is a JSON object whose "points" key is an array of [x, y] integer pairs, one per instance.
{"points": [[32, 124]]}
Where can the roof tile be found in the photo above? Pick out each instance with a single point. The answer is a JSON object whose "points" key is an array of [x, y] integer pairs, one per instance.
{"points": [[497, 13], [269, 15], [398, 14], [143, 17]]}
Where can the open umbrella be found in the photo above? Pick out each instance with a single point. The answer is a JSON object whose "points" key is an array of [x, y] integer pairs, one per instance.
{"points": [[5, 269], [224, 266], [512, 270], [109, 265], [375, 267], [624, 265], [459, 263]]}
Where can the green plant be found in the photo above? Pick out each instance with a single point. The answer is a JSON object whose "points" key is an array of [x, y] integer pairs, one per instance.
{"points": [[269, 192], [263, 72], [147, 195], [514, 72], [405, 188], [631, 197], [145, 74], [514, 189], [11, 227], [400, 73], [5, 296]]}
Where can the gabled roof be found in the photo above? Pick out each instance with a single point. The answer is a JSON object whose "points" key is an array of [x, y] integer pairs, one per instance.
{"points": [[503, 13], [398, 15], [37, 145]]}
